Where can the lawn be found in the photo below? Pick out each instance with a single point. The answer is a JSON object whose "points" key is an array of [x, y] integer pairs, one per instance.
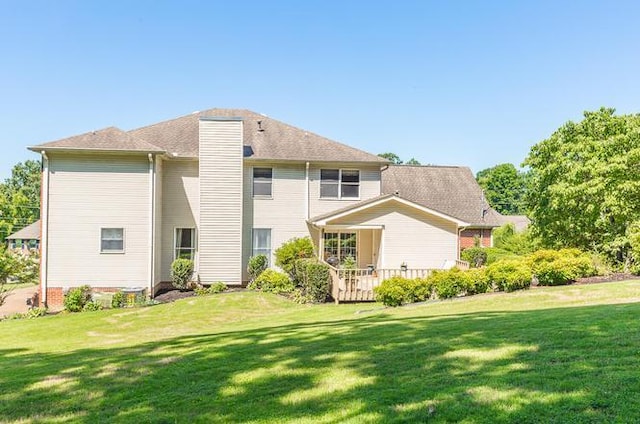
{"points": [[560, 354]]}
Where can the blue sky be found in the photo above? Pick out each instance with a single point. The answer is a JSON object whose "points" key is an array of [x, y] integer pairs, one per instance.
{"points": [[472, 83]]}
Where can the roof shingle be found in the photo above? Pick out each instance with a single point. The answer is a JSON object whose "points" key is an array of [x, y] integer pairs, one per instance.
{"points": [[107, 139]]}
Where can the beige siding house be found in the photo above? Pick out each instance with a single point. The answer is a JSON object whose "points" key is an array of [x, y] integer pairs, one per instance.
{"points": [[222, 185]]}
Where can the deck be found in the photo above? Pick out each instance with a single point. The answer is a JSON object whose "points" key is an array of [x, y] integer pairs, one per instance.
{"points": [[356, 285]]}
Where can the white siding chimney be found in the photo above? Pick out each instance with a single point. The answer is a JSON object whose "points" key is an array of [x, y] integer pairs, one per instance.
{"points": [[220, 226]]}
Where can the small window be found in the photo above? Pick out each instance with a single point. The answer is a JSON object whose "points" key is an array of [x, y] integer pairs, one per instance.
{"points": [[185, 246], [262, 242], [112, 240], [262, 181], [340, 183]]}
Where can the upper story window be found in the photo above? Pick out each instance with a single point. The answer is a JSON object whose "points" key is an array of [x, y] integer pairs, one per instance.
{"points": [[112, 240], [340, 183], [262, 181]]}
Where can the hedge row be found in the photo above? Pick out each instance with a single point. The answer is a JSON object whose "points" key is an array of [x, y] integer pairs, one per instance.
{"points": [[549, 267]]}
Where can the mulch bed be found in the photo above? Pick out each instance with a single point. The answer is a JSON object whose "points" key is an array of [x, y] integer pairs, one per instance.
{"points": [[617, 276], [171, 295]]}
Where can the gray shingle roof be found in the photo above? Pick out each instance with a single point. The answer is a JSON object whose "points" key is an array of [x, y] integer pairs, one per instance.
{"points": [[520, 222], [271, 139], [30, 232], [107, 139], [452, 190]]}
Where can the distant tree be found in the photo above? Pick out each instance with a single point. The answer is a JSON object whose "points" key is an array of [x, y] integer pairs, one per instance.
{"points": [[585, 184], [504, 187], [20, 197], [395, 159], [391, 157]]}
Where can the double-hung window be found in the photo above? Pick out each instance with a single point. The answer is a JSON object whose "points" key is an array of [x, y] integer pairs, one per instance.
{"points": [[112, 240], [262, 182], [185, 244], [340, 183], [262, 242]]}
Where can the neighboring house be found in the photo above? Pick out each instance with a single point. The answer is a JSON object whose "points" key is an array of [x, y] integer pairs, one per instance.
{"points": [[26, 239], [520, 222], [222, 185]]}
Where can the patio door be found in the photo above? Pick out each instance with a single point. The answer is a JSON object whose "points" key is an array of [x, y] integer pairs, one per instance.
{"points": [[340, 246]]}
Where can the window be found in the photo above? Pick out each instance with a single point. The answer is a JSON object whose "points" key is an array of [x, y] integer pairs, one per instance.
{"points": [[339, 246], [112, 240], [262, 242], [340, 183], [185, 243], [262, 179]]}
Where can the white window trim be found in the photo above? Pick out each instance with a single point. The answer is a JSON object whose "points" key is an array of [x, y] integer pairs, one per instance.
{"points": [[195, 242], [112, 252], [339, 197], [339, 232], [261, 196]]}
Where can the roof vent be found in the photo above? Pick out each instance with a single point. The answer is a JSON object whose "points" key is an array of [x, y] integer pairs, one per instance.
{"points": [[397, 193], [260, 129]]}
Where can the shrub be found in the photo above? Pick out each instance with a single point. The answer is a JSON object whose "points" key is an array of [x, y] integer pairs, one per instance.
{"points": [[397, 290], [314, 279], [272, 281], [449, 283], [520, 243], [292, 250], [565, 270], [76, 298], [510, 275], [92, 305], [214, 288], [495, 254], [181, 273], [477, 281], [476, 256], [256, 265], [118, 300], [542, 257]]}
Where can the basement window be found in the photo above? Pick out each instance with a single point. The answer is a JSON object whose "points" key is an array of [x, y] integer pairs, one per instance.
{"points": [[112, 240]]}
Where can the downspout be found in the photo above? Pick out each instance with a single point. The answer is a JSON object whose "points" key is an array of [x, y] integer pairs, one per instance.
{"points": [[151, 223], [44, 228], [460, 230], [306, 191]]}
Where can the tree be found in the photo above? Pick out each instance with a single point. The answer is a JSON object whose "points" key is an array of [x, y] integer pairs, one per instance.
{"points": [[585, 184], [20, 197], [504, 187], [395, 159]]}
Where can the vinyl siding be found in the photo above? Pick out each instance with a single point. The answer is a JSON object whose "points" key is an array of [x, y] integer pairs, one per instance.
{"points": [[90, 192], [409, 235], [180, 207], [221, 168], [283, 213], [369, 187]]}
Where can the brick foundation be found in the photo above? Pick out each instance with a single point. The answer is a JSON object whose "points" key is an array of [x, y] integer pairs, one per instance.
{"points": [[55, 295]]}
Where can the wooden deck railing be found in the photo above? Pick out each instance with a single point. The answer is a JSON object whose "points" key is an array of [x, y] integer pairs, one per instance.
{"points": [[356, 285]]}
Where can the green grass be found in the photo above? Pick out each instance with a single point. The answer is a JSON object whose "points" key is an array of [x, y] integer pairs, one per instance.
{"points": [[561, 354]]}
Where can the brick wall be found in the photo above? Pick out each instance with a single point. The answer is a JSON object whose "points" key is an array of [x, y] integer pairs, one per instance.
{"points": [[55, 296], [467, 237]]}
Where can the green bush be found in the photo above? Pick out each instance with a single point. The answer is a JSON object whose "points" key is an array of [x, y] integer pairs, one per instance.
{"points": [[257, 264], [118, 300], [76, 298], [495, 254], [292, 250], [314, 279], [272, 281], [510, 275], [541, 258], [92, 305], [181, 273], [520, 243], [565, 270], [476, 256], [477, 281], [449, 283], [214, 288], [397, 290]]}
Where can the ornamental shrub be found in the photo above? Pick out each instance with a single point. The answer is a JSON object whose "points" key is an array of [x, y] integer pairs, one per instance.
{"points": [[510, 275], [495, 254], [476, 256], [181, 273], [477, 281], [313, 278], [272, 281], [449, 283], [292, 250], [565, 270], [397, 290], [118, 300], [214, 288], [76, 298], [256, 265], [92, 305]]}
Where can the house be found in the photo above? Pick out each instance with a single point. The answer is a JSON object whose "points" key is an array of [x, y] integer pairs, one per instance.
{"points": [[26, 239], [222, 185]]}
